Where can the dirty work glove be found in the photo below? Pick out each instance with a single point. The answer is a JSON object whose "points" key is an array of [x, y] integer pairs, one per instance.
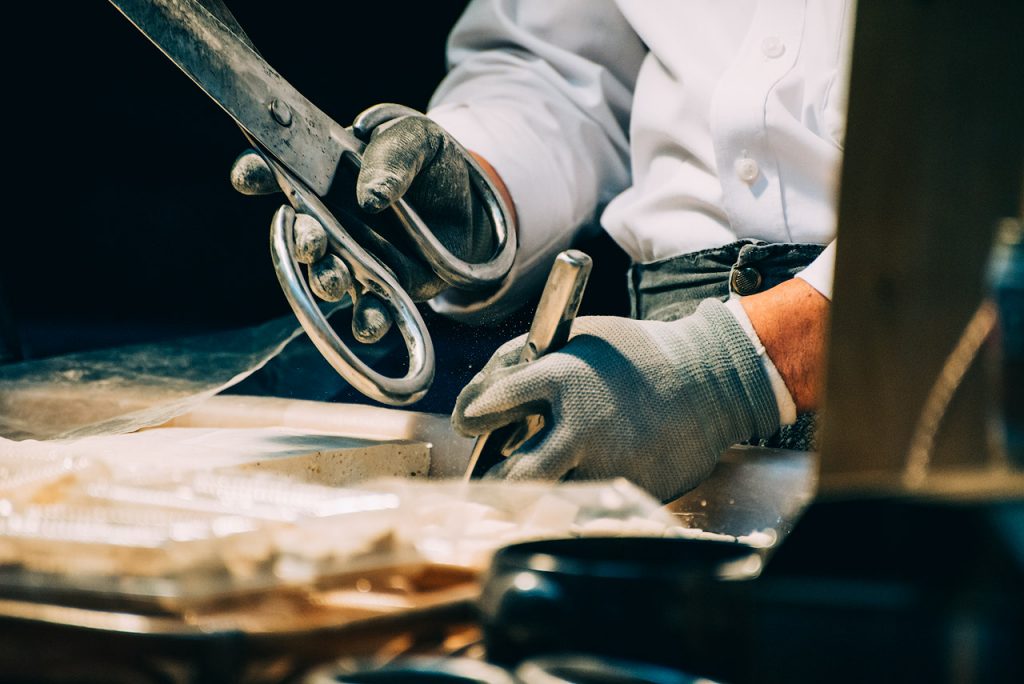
{"points": [[414, 158], [655, 402], [410, 157]]}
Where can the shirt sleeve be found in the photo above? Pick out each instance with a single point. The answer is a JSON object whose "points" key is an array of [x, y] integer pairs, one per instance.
{"points": [[818, 273], [541, 90]]}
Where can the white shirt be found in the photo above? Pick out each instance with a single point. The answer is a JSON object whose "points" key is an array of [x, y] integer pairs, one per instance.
{"points": [[683, 125]]}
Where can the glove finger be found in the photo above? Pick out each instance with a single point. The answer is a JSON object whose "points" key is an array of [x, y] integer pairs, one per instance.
{"points": [[412, 157], [310, 239], [371, 318], [595, 326], [443, 196], [475, 423], [395, 154], [250, 175], [506, 355], [544, 457], [378, 115], [329, 278], [501, 397]]}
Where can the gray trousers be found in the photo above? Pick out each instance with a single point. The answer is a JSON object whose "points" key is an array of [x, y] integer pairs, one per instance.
{"points": [[672, 288]]}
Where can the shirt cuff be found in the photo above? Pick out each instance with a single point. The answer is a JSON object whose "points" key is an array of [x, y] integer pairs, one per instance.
{"points": [[540, 195], [784, 400], [818, 273]]}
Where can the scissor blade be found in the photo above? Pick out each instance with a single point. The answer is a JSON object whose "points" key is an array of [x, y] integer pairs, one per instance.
{"points": [[221, 12], [275, 114]]}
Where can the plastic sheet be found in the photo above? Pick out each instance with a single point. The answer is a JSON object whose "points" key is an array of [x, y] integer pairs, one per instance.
{"points": [[121, 390], [305, 455], [464, 523], [194, 536]]}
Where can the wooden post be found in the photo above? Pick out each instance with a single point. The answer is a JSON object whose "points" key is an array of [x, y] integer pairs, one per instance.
{"points": [[934, 156]]}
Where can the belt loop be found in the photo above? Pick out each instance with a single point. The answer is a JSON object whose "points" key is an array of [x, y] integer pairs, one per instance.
{"points": [[745, 252]]}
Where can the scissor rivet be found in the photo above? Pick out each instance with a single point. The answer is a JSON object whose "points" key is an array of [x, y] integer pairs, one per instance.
{"points": [[281, 112]]}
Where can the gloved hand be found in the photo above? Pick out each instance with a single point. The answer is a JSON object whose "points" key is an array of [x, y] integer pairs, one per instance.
{"points": [[411, 157], [651, 401]]}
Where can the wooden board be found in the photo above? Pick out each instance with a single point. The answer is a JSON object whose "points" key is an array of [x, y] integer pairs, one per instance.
{"points": [[934, 155], [305, 455], [449, 451]]}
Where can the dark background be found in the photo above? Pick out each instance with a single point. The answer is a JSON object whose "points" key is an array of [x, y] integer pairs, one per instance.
{"points": [[131, 224]]}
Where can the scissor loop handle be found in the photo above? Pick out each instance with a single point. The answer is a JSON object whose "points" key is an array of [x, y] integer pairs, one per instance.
{"points": [[453, 270], [369, 274]]}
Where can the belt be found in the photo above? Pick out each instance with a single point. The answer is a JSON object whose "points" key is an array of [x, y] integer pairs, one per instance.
{"points": [[672, 288]]}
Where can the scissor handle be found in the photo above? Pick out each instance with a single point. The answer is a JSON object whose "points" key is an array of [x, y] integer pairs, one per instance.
{"points": [[369, 273], [453, 270]]}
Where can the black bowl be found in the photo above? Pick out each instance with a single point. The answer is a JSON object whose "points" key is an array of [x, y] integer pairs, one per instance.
{"points": [[412, 670], [649, 599], [577, 669]]}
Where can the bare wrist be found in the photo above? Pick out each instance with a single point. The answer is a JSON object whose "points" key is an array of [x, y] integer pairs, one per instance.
{"points": [[790, 319], [499, 184]]}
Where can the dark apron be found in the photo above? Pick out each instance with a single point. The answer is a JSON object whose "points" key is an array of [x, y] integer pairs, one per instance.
{"points": [[672, 288]]}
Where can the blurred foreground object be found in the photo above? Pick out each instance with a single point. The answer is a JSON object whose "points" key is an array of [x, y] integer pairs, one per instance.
{"points": [[1006, 290], [934, 158]]}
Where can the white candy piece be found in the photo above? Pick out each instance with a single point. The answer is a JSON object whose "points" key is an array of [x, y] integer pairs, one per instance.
{"points": [[762, 539], [600, 527], [550, 513], [683, 532], [491, 529], [643, 527]]}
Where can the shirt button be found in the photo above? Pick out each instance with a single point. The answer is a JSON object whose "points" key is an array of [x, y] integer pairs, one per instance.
{"points": [[747, 170], [773, 47], [745, 280]]}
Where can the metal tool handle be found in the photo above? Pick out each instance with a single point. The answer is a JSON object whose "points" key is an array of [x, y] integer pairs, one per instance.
{"points": [[453, 270], [558, 305], [368, 272], [552, 323], [376, 277]]}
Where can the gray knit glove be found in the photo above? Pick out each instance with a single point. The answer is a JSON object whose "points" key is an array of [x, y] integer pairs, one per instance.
{"points": [[655, 402]]}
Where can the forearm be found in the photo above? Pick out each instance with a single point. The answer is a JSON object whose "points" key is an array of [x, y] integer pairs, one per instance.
{"points": [[790, 319], [499, 184]]}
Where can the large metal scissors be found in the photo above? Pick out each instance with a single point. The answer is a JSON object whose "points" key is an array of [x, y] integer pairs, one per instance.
{"points": [[305, 149]]}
